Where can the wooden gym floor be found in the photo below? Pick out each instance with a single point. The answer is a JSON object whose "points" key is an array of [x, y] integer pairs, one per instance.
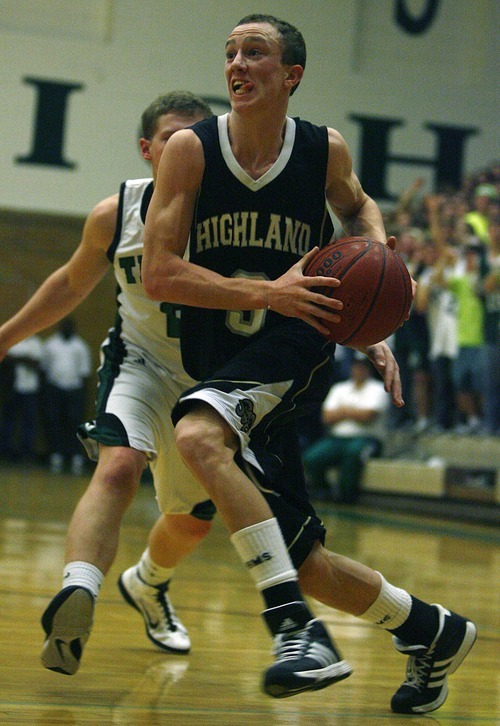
{"points": [[123, 679]]}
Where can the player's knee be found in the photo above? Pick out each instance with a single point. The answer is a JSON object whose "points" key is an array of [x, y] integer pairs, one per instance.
{"points": [[120, 468], [199, 439]]}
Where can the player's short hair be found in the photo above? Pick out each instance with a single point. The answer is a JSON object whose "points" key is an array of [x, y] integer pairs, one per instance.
{"points": [[292, 41], [183, 103]]}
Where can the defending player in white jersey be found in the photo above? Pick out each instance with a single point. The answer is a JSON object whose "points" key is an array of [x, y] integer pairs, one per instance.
{"points": [[140, 379]]}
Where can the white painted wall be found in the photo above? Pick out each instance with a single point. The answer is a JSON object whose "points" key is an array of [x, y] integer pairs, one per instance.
{"points": [[126, 52]]}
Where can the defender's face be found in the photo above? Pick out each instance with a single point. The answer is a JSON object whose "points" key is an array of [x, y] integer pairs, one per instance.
{"points": [[166, 126]]}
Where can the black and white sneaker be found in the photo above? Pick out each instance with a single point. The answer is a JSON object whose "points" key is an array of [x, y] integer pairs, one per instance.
{"points": [[306, 658], [67, 622], [163, 627], [426, 688]]}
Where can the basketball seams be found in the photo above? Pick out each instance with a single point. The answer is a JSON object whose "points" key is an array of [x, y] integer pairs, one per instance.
{"points": [[327, 250], [369, 245]]}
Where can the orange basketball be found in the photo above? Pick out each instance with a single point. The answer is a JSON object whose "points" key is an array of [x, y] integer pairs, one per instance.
{"points": [[375, 288]]}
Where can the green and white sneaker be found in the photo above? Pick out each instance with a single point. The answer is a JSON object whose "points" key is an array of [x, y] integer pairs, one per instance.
{"points": [[163, 627], [67, 622]]}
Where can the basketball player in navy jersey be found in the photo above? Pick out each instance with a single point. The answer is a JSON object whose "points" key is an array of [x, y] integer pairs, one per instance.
{"points": [[247, 195]]}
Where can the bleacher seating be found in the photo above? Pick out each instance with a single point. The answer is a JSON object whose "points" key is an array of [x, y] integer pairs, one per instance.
{"points": [[442, 474]]}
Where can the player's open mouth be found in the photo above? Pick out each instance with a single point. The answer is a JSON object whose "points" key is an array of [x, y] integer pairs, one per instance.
{"points": [[240, 87]]}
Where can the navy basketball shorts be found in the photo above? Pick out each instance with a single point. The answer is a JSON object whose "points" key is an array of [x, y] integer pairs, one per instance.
{"points": [[261, 393]]}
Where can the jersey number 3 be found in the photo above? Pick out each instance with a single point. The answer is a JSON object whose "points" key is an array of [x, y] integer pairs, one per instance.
{"points": [[246, 322]]}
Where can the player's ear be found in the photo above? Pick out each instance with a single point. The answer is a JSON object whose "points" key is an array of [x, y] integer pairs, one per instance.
{"points": [[293, 75], [145, 145]]}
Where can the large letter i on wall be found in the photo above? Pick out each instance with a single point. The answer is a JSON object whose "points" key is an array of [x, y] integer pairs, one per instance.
{"points": [[48, 132]]}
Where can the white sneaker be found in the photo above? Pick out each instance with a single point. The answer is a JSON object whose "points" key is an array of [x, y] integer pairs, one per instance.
{"points": [[163, 627], [67, 622]]}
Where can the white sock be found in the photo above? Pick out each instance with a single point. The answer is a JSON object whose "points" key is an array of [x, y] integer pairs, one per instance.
{"points": [[150, 572], [391, 608], [263, 551], [83, 574]]}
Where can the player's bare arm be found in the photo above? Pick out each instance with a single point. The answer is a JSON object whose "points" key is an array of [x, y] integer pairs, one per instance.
{"points": [[168, 277], [71, 283], [359, 214]]}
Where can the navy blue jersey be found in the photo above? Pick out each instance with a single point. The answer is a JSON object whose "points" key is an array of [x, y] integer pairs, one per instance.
{"points": [[251, 228]]}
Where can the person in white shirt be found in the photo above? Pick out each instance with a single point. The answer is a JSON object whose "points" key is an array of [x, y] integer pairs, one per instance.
{"points": [[353, 411], [67, 364], [20, 415]]}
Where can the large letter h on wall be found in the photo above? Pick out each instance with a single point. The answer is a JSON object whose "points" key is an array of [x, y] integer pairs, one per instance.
{"points": [[375, 155]]}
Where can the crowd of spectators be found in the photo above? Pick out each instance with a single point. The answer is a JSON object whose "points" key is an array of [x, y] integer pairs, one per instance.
{"points": [[448, 351]]}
